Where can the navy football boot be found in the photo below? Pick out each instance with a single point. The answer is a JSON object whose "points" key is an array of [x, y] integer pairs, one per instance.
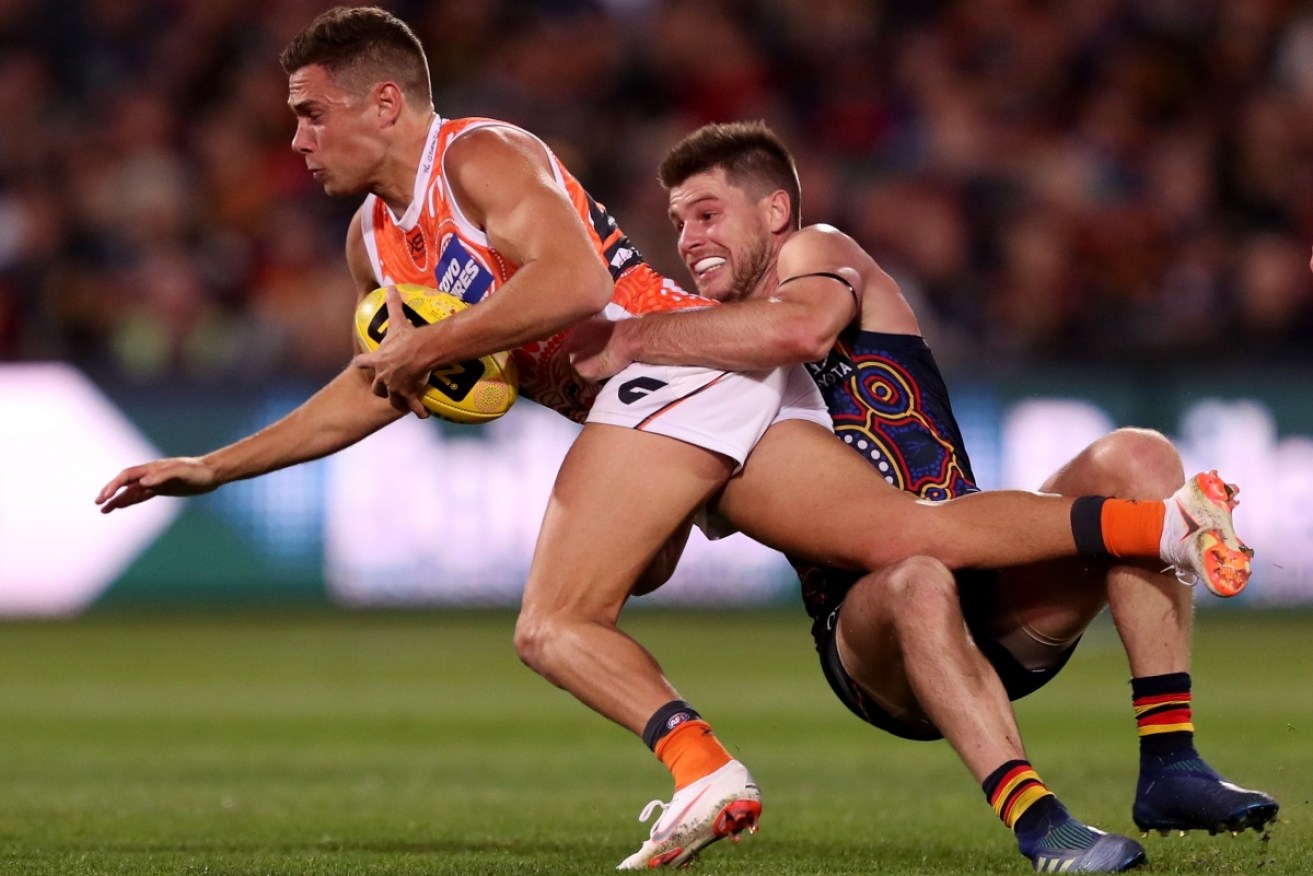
{"points": [[1190, 795], [1065, 845]]}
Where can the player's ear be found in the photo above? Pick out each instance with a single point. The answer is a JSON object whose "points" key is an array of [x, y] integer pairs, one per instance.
{"points": [[389, 100], [779, 212]]}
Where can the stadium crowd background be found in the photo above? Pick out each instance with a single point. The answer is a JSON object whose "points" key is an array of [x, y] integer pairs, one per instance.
{"points": [[1125, 181]]}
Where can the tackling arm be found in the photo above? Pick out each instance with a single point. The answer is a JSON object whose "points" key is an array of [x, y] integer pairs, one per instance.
{"points": [[797, 323], [799, 320]]}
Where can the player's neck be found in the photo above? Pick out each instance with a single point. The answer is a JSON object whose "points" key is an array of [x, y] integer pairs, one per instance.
{"points": [[770, 280], [401, 162], [770, 275]]}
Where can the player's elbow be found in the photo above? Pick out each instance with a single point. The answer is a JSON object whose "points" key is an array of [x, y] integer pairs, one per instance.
{"points": [[595, 290], [804, 341], [576, 287]]}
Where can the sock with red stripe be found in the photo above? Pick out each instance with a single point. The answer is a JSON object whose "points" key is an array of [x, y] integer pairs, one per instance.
{"points": [[1021, 800], [1164, 720]]}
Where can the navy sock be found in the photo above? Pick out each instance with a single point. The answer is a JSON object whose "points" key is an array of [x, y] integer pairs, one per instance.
{"points": [[1087, 525], [665, 719], [1046, 814]]}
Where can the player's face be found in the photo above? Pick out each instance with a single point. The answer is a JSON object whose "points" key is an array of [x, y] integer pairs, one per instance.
{"points": [[334, 132], [724, 238]]}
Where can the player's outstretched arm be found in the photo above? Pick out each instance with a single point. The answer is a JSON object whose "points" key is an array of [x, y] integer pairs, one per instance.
{"points": [[177, 476], [337, 416]]}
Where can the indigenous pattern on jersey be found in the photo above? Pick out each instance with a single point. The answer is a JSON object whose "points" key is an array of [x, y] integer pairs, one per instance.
{"points": [[889, 403], [434, 244]]}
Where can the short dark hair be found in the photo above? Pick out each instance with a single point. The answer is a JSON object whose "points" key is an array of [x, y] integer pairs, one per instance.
{"points": [[361, 46], [751, 154]]}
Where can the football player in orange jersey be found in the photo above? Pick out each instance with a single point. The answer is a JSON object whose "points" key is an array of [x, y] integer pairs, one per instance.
{"points": [[538, 256], [909, 648]]}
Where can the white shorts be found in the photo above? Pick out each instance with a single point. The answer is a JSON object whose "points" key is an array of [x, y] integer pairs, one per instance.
{"points": [[724, 411]]}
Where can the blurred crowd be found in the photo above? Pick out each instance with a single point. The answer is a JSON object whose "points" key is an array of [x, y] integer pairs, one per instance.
{"points": [[1090, 180]]}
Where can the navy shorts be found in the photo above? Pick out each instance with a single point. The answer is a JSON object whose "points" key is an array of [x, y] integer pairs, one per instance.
{"points": [[976, 592]]}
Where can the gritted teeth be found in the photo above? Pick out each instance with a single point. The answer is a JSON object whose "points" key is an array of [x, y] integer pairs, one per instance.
{"points": [[701, 266]]}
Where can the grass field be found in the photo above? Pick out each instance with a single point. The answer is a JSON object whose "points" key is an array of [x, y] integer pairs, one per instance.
{"points": [[416, 743]]}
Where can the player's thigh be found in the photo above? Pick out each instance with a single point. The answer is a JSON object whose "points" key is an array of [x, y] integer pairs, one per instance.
{"points": [[1051, 601], [804, 492], [1046, 605], [1057, 600], [867, 644], [618, 497]]}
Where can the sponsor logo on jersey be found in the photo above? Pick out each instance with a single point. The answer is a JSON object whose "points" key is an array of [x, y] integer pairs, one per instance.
{"points": [[460, 273], [830, 371], [638, 388], [620, 254], [415, 248]]}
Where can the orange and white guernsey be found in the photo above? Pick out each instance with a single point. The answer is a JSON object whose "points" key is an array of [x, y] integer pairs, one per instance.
{"points": [[434, 244]]}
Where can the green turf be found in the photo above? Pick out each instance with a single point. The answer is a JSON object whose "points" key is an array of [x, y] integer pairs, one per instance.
{"points": [[408, 744]]}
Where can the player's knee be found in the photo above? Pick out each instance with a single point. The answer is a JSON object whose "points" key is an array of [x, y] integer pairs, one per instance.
{"points": [[917, 588], [1134, 464], [533, 633]]}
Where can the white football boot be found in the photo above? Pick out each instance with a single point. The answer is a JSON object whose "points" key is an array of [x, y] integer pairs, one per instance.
{"points": [[1199, 538], [723, 804]]}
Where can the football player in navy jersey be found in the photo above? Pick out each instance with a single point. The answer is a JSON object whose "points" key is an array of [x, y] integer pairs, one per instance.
{"points": [[912, 648]]}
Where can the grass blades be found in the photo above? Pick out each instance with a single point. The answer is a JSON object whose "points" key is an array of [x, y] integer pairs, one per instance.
{"points": [[416, 743]]}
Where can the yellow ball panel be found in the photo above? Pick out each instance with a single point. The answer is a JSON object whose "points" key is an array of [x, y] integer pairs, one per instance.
{"points": [[464, 392]]}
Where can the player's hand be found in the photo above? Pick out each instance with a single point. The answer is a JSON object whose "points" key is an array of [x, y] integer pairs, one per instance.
{"points": [[395, 376], [178, 476], [594, 349]]}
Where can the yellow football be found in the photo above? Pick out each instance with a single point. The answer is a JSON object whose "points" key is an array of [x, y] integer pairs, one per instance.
{"points": [[465, 392]]}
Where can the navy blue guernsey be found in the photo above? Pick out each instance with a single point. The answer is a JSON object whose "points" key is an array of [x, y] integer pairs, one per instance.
{"points": [[889, 403]]}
